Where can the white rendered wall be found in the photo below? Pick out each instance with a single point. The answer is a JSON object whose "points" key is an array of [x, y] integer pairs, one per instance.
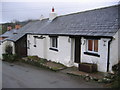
{"points": [[8, 43], [114, 55], [102, 51], [64, 51], [63, 55], [3, 45], [38, 50]]}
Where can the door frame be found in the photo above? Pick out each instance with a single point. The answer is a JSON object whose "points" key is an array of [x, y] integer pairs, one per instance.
{"points": [[77, 54]]}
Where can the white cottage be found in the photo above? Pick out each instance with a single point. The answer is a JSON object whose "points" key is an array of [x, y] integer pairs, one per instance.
{"points": [[16, 39], [4, 41], [90, 36]]}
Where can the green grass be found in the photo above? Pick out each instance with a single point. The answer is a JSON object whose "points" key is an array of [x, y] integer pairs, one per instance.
{"points": [[40, 62], [37, 59]]}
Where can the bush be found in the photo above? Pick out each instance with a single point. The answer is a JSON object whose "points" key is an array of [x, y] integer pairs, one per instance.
{"points": [[5, 57], [9, 57], [116, 69]]}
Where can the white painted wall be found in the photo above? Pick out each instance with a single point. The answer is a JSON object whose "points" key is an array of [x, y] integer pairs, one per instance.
{"points": [[3, 45], [64, 51], [38, 50], [114, 55], [63, 55], [102, 51]]}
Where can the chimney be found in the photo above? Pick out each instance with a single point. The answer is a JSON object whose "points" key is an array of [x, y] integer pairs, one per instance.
{"points": [[41, 17], [9, 28], [52, 15], [17, 26]]}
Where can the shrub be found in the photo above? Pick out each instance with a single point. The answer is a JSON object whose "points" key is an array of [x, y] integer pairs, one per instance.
{"points": [[5, 57], [9, 57], [116, 69]]}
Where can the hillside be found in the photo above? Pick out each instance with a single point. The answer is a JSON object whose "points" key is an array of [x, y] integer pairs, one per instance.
{"points": [[3, 27]]}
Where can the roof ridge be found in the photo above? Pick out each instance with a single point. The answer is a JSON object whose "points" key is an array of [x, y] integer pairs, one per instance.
{"points": [[89, 10]]}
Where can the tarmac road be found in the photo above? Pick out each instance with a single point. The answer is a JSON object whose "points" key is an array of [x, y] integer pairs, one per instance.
{"points": [[27, 76]]}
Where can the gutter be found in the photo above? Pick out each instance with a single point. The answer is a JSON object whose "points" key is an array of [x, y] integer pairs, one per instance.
{"points": [[108, 57], [70, 35]]}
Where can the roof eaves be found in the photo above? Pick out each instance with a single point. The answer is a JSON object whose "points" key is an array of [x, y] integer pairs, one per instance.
{"points": [[72, 35]]}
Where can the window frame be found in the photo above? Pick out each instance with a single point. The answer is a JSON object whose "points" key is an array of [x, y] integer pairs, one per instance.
{"points": [[53, 43], [93, 46]]}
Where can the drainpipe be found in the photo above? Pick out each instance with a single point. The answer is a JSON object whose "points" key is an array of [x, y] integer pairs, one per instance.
{"points": [[108, 58]]}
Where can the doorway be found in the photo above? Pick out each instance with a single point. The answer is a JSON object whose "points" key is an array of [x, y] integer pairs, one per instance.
{"points": [[77, 58]]}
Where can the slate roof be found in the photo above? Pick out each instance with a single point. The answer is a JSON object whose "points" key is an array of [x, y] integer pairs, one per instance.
{"points": [[99, 22], [9, 33], [22, 31]]}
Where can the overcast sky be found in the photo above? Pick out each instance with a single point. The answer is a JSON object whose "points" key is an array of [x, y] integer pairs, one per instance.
{"points": [[32, 9]]}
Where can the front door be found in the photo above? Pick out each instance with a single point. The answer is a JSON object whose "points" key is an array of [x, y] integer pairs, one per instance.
{"points": [[77, 50]]}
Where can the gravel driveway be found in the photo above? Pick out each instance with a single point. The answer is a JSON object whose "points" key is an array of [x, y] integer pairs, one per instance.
{"points": [[27, 76]]}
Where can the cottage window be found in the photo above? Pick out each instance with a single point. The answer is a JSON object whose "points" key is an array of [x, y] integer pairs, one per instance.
{"points": [[53, 43], [92, 46]]}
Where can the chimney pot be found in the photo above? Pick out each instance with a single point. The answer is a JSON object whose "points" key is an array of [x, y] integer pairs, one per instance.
{"points": [[53, 9]]}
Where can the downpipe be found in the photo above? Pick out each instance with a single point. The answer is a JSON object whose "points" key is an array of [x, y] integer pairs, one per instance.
{"points": [[108, 58]]}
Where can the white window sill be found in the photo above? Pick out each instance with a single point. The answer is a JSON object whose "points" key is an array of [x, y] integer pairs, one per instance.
{"points": [[92, 54], [54, 49]]}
